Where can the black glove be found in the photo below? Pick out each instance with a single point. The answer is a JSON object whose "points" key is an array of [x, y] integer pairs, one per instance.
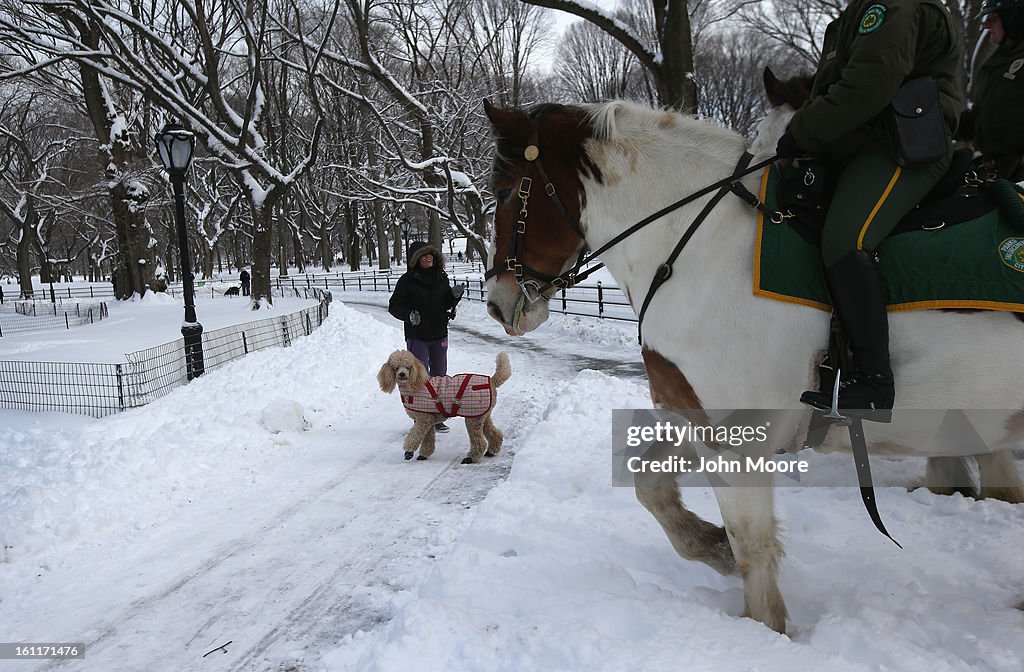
{"points": [[414, 318], [458, 291], [788, 147]]}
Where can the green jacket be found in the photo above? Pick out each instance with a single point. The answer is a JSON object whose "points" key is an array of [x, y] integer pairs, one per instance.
{"points": [[997, 119], [868, 52]]}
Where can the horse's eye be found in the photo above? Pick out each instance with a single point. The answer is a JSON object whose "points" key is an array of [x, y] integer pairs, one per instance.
{"points": [[503, 194]]}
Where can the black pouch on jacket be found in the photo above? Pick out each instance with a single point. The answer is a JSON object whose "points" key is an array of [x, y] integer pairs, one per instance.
{"points": [[914, 123]]}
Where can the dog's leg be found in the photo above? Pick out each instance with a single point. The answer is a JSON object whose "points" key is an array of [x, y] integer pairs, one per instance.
{"points": [[417, 435], [494, 437], [428, 445], [477, 441]]}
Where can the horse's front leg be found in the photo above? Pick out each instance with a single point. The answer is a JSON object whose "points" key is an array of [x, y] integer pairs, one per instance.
{"points": [[691, 536], [753, 534]]}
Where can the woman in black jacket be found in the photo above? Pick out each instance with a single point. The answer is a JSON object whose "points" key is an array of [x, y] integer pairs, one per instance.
{"points": [[424, 301]]}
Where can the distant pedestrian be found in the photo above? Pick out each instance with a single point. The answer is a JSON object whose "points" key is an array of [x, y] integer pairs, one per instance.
{"points": [[460, 255], [243, 277]]}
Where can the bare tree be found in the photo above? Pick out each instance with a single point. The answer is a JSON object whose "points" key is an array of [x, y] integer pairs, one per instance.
{"points": [[209, 63], [669, 59], [592, 66], [798, 25], [729, 67]]}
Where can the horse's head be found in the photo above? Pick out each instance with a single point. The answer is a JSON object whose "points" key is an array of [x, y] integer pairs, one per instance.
{"points": [[539, 159], [784, 98]]}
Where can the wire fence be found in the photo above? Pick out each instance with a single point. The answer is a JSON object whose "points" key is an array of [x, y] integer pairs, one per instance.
{"points": [[104, 389], [22, 316]]}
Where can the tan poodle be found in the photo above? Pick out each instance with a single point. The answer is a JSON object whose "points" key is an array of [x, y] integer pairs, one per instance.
{"points": [[432, 400]]}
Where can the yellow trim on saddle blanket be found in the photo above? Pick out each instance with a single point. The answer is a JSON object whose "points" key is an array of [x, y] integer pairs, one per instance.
{"points": [[971, 304]]}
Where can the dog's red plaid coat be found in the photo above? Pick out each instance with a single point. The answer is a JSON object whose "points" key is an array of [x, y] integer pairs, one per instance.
{"points": [[468, 395]]}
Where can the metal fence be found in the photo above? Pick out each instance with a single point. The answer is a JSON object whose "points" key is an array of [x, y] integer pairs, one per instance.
{"points": [[587, 300], [104, 389], [22, 316]]}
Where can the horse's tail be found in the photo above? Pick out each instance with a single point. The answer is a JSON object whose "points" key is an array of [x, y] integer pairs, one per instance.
{"points": [[502, 369]]}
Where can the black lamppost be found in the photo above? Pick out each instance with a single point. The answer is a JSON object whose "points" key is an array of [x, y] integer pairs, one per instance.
{"points": [[174, 144], [405, 225]]}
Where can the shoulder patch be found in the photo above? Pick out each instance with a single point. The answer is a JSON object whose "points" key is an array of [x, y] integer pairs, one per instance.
{"points": [[1012, 252], [873, 19]]}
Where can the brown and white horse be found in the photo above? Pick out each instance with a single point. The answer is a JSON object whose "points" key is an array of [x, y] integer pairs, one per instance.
{"points": [[708, 342]]}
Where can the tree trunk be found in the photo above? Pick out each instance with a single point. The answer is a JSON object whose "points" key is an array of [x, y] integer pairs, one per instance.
{"points": [[207, 260], [380, 226], [282, 240], [262, 230], [326, 256], [115, 155], [474, 247], [677, 87], [25, 256], [300, 262], [137, 270], [396, 247], [351, 221]]}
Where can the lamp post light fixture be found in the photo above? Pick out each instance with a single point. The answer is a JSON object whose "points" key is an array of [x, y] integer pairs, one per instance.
{"points": [[174, 145], [405, 225]]}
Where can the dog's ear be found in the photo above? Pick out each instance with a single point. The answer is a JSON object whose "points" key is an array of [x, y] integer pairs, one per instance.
{"points": [[386, 378], [419, 376]]}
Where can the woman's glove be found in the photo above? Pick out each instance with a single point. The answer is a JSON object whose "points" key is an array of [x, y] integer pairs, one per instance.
{"points": [[788, 147], [414, 318], [458, 291]]}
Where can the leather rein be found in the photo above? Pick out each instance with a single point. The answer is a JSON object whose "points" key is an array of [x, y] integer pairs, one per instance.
{"points": [[533, 289]]}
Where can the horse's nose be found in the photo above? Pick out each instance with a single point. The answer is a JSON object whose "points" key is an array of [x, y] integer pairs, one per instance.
{"points": [[494, 311]]}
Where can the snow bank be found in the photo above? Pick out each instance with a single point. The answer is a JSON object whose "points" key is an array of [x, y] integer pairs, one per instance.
{"points": [[59, 485], [561, 571]]}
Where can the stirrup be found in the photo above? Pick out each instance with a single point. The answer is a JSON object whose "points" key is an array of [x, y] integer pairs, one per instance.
{"points": [[834, 416]]}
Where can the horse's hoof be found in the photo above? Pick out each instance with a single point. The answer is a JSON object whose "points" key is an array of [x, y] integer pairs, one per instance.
{"points": [[488, 454], [408, 456], [420, 457], [467, 460]]}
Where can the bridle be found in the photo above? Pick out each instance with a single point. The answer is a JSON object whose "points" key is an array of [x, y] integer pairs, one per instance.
{"points": [[529, 279], [532, 290]]}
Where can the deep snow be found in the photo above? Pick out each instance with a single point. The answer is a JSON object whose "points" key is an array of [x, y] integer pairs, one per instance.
{"points": [[158, 535]]}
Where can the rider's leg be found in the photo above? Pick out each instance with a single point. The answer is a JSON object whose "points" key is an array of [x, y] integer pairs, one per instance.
{"points": [[872, 194]]}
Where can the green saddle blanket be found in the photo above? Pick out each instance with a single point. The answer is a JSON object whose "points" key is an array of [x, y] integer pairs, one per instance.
{"points": [[975, 264]]}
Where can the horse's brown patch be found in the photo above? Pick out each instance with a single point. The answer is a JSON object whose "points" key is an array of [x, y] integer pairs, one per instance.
{"points": [[561, 133], [667, 121], [670, 389]]}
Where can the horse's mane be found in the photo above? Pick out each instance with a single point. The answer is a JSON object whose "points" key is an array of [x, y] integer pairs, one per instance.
{"points": [[622, 121]]}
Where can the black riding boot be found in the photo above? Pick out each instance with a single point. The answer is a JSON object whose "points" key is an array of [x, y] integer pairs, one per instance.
{"points": [[858, 299]]}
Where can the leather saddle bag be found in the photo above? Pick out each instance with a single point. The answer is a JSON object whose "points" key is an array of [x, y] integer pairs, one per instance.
{"points": [[914, 123]]}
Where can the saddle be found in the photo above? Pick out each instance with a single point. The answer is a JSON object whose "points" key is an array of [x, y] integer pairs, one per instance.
{"points": [[805, 191], [467, 395]]}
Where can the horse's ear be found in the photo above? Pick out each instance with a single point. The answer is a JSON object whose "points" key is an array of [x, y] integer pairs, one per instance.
{"points": [[773, 87], [503, 120]]}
